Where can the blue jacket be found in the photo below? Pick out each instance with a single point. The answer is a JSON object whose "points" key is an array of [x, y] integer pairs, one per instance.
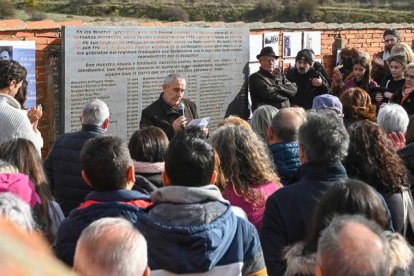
{"points": [[202, 236], [286, 159], [63, 167], [288, 213], [118, 203]]}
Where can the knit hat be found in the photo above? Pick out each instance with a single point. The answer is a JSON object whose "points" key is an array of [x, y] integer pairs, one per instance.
{"points": [[267, 51], [304, 55], [327, 101]]}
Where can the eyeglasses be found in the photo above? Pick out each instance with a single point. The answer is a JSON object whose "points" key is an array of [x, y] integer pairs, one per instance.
{"points": [[390, 40], [408, 76]]}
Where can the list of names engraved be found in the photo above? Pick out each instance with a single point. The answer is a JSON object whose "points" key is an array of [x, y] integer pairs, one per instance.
{"points": [[126, 66]]}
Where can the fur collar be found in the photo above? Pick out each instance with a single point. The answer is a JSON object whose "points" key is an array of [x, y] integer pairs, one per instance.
{"points": [[297, 263], [146, 167]]}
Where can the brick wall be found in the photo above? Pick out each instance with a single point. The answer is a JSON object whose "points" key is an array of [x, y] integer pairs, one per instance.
{"points": [[48, 37]]}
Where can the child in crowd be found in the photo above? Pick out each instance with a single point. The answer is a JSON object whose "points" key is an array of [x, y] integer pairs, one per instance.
{"points": [[361, 79]]}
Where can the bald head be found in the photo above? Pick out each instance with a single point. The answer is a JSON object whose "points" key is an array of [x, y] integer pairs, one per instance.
{"points": [[285, 125], [352, 245]]}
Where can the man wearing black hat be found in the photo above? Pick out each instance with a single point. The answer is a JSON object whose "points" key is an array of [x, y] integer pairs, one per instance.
{"points": [[265, 85], [309, 82]]}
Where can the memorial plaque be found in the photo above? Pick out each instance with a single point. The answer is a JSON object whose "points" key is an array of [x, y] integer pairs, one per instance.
{"points": [[126, 66]]}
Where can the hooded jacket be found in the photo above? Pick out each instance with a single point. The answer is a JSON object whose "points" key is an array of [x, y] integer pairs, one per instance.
{"points": [[194, 230]]}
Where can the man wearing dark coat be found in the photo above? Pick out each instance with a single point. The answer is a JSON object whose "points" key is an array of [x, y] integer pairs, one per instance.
{"points": [[323, 142], [164, 112], [63, 166], [266, 88], [309, 82]]}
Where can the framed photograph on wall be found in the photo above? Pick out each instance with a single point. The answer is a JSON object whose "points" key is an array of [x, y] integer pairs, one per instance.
{"points": [[292, 43], [312, 41], [272, 39]]}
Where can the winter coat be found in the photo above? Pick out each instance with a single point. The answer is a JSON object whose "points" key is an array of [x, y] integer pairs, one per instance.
{"points": [[97, 205], [286, 159], [306, 91], [266, 90], [162, 115], [63, 167], [194, 230], [288, 213]]}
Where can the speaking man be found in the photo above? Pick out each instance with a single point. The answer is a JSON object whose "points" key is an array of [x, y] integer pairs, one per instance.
{"points": [[171, 112]]}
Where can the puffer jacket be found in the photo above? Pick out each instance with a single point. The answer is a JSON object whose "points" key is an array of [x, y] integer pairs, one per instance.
{"points": [[63, 167], [286, 159]]}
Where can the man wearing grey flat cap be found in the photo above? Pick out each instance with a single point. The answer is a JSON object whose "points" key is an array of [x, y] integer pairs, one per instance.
{"points": [[266, 86]]}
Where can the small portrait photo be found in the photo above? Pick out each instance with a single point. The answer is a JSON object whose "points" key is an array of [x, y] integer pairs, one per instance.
{"points": [[6, 52]]}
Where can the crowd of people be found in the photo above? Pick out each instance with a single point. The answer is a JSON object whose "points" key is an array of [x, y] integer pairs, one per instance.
{"points": [[317, 182]]}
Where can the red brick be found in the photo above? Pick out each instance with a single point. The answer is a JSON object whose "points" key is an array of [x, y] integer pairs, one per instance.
{"points": [[48, 41], [49, 34], [42, 25], [25, 34]]}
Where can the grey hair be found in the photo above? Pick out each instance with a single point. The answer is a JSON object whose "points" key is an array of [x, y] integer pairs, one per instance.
{"points": [[95, 113], [262, 119], [393, 118], [6, 167], [16, 210], [111, 246], [323, 137], [171, 77], [336, 257]]}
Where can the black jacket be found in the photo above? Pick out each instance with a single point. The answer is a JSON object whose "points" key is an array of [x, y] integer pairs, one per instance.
{"points": [[63, 167], [266, 90], [306, 91], [408, 104], [162, 115], [288, 213]]}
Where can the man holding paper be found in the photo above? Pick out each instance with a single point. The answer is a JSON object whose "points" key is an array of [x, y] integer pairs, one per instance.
{"points": [[171, 112]]}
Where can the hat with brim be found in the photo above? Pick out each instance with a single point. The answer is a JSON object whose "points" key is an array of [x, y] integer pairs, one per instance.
{"points": [[267, 51]]}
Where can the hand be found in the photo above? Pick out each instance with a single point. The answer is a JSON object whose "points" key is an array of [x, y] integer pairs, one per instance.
{"points": [[398, 141], [34, 114], [379, 97], [378, 61], [337, 75], [205, 132], [179, 124], [388, 95], [317, 82]]}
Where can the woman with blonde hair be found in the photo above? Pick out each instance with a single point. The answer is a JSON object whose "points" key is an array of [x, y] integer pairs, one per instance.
{"points": [[248, 170], [357, 106], [403, 50]]}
